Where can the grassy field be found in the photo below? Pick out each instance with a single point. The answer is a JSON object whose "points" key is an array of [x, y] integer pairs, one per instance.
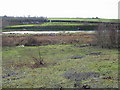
{"points": [[53, 24], [85, 19], [57, 60], [54, 28], [59, 25], [66, 66]]}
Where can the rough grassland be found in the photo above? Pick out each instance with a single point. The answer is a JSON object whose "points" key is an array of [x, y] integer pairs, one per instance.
{"points": [[62, 66], [46, 39]]}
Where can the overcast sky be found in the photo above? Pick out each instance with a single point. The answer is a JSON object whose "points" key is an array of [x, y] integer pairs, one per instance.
{"points": [[60, 8]]}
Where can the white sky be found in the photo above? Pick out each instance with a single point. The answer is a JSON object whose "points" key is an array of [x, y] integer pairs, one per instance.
{"points": [[60, 8]]}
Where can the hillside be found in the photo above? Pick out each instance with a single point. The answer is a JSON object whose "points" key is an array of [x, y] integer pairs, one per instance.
{"points": [[54, 24]]}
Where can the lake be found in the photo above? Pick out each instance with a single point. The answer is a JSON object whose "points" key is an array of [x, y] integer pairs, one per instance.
{"points": [[44, 32]]}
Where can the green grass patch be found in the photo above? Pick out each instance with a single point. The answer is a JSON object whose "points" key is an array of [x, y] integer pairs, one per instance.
{"points": [[29, 25], [85, 19], [52, 24], [58, 60], [64, 23]]}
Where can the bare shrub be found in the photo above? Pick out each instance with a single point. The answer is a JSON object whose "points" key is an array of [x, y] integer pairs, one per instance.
{"points": [[38, 62], [107, 35], [37, 58]]}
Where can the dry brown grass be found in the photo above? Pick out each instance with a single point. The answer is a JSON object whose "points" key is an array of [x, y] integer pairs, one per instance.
{"points": [[50, 39]]}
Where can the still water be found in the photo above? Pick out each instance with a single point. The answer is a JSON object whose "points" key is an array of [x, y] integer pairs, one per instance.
{"points": [[44, 32]]}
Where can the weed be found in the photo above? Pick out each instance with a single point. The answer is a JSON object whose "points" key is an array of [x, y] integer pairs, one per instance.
{"points": [[38, 62]]}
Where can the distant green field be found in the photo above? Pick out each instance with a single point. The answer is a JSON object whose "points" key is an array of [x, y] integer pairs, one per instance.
{"points": [[84, 19], [64, 23], [52, 24], [67, 23], [60, 25]]}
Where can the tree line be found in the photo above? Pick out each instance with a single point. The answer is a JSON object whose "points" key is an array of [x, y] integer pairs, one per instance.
{"points": [[7, 20]]}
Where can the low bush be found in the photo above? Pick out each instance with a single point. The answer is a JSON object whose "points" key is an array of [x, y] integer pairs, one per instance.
{"points": [[107, 35]]}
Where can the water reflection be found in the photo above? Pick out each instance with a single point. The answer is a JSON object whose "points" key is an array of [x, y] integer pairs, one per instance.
{"points": [[46, 32]]}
